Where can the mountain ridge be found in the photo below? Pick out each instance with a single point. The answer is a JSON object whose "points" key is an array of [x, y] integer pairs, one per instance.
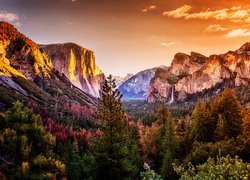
{"points": [[136, 87], [27, 74], [189, 79], [193, 74]]}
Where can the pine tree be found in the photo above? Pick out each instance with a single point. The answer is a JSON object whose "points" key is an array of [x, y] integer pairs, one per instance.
{"points": [[229, 108], [167, 170], [166, 142], [26, 147], [181, 128], [164, 119], [203, 126], [73, 162], [115, 151]]}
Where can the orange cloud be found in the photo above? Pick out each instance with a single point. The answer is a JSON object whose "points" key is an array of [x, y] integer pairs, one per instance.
{"points": [[237, 33], [168, 44], [149, 8], [235, 14], [180, 12], [215, 28], [8, 16]]}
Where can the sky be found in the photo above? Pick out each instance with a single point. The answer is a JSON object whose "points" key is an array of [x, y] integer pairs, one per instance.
{"points": [[128, 36]]}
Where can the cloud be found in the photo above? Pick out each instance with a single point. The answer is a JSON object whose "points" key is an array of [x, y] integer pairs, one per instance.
{"points": [[149, 8], [179, 12], [235, 14], [215, 28], [6, 16], [240, 14], [168, 44], [237, 33]]}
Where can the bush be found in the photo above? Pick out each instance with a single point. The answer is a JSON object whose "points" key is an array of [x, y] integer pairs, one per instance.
{"points": [[220, 168]]}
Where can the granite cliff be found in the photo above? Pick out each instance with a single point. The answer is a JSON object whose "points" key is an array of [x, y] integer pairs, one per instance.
{"points": [[78, 64], [28, 74], [195, 73]]}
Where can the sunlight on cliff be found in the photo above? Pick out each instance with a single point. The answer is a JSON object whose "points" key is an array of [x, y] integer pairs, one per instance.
{"points": [[72, 66], [42, 63], [5, 68]]}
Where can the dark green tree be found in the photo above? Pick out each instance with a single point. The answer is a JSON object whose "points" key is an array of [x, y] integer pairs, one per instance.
{"points": [[203, 126], [115, 152], [181, 128], [167, 143], [228, 107], [73, 162], [26, 148]]}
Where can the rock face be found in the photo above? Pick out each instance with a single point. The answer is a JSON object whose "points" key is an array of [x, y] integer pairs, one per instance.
{"points": [[136, 87], [28, 74], [119, 80], [197, 73], [78, 64]]}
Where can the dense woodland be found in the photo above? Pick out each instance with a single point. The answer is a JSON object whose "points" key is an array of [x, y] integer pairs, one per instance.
{"points": [[213, 142]]}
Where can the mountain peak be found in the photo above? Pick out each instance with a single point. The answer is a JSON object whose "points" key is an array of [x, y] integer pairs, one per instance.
{"points": [[198, 74], [244, 48], [6, 25], [78, 64], [22, 53]]}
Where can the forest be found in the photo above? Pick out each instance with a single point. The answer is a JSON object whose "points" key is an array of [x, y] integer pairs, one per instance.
{"points": [[212, 143]]}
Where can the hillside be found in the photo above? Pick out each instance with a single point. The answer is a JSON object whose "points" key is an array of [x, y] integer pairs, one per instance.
{"points": [[28, 74]]}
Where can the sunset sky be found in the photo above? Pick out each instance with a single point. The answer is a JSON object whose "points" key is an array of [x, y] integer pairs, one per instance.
{"points": [[132, 35]]}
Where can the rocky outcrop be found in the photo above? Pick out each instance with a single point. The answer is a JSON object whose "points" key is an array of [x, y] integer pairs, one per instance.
{"points": [[183, 64], [136, 87], [78, 64], [197, 73], [22, 54], [28, 74]]}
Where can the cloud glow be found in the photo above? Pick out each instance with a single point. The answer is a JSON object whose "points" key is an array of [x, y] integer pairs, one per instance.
{"points": [[238, 33], [235, 13], [168, 44], [149, 8], [6, 16], [215, 28]]}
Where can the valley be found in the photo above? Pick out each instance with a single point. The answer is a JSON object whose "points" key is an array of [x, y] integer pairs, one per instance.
{"points": [[62, 117]]}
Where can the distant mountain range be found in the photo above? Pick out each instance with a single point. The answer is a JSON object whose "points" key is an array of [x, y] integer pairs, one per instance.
{"points": [[63, 78], [119, 79], [191, 76], [136, 86]]}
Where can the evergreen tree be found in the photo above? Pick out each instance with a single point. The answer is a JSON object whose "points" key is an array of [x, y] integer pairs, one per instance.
{"points": [[166, 142], [167, 170], [73, 162], [25, 148], [203, 126], [165, 121], [228, 107], [114, 151], [181, 128]]}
